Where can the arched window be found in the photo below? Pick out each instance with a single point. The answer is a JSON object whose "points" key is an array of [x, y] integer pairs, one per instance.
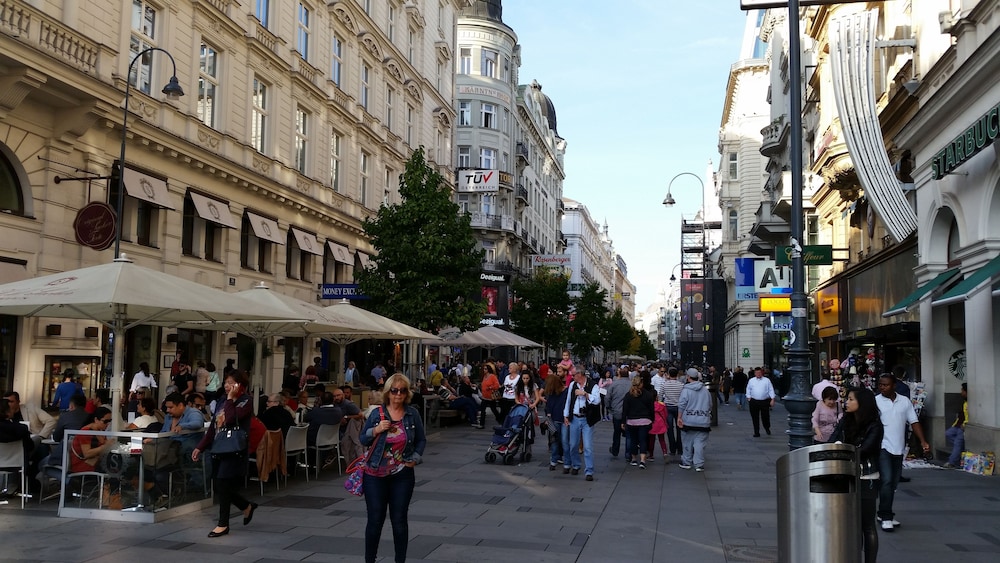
{"points": [[734, 225], [11, 193]]}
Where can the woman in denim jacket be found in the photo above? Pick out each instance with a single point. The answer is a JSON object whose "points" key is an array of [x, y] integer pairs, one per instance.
{"points": [[395, 434]]}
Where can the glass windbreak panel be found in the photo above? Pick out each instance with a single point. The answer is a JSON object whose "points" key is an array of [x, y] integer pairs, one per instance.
{"points": [[138, 473]]}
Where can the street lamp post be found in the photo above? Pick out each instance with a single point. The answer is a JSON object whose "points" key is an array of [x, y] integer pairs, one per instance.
{"points": [[173, 91], [713, 382]]}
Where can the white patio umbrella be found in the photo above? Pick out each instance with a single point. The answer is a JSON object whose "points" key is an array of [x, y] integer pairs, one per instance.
{"points": [[490, 337], [122, 295], [301, 319], [384, 328]]}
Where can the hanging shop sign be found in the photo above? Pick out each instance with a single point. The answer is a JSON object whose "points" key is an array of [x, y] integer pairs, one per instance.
{"points": [[971, 142], [812, 255], [94, 225]]}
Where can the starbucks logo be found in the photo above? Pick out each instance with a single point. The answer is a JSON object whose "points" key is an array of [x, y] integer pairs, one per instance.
{"points": [[956, 364]]}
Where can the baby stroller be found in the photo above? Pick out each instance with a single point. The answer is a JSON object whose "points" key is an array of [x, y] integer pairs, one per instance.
{"points": [[512, 437]]}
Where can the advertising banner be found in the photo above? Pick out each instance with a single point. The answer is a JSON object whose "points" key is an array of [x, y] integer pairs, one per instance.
{"points": [[473, 180]]}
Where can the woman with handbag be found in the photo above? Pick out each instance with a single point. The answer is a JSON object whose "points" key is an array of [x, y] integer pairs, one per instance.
{"points": [[489, 388], [395, 434], [862, 426], [555, 404], [226, 440]]}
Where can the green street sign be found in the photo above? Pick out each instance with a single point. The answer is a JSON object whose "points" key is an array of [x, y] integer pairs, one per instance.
{"points": [[812, 255]]}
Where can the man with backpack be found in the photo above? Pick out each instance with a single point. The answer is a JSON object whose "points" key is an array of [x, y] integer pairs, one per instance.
{"points": [[583, 399]]}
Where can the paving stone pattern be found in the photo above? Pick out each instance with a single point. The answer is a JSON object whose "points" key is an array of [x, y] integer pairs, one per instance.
{"points": [[467, 510]]}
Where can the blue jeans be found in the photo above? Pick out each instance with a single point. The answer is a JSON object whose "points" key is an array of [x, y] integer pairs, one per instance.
{"points": [[889, 468], [577, 429], [639, 438], [741, 400], [616, 436], [556, 444], [956, 436], [674, 441], [392, 492], [467, 404], [694, 447]]}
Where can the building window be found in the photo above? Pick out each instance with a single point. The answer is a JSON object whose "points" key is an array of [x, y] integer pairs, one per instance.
{"points": [[390, 28], [335, 141], [140, 219], [143, 37], [506, 69], [302, 36], [301, 139], [734, 225], [465, 157], [298, 262], [505, 124], [255, 253], [387, 191], [734, 167], [487, 158], [365, 75], [439, 77], [465, 60], [411, 45], [334, 271], [258, 124], [336, 60], [367, 5], [11, 194], [505, 162], [489, 112], [208, 84], [390, 96], [409, 125], [363, 187], [200, 238], [464, 112], [463, 203], [261, 11], [489, 67], [489, 204]]}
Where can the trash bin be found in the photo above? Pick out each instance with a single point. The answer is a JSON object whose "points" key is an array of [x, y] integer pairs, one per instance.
{"points": [[819, 510]]}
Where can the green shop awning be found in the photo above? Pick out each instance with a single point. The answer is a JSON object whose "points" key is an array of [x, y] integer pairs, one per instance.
{"points": [[981, 277], [912, 299]]}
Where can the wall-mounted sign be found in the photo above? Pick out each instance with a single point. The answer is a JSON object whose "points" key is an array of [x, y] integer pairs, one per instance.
{"points": [[342, 291], [474, 180], [745, 289], [812, 255], [968, 144], [550, 260], [94, 225], [775, 303], [768, 277], [484, 91]]}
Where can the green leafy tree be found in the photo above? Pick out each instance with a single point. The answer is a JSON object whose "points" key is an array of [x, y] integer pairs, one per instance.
{"points": [[618, 334], [645, 348], [588, 326], [426, 273], [541, 308]]}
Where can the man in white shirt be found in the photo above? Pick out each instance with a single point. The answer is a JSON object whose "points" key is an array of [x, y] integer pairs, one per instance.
{"points": [[760, 393], [896, 411], [575, 425], [657, 381]]}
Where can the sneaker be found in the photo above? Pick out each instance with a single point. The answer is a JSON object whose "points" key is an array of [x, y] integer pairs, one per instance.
{"points": [[552, 467], [684, 466], [650, 459], [642, 465], [590, 477], [575, 471], [887, 525], [894, 521], [699, 469], [633, 464], [949, 466]]}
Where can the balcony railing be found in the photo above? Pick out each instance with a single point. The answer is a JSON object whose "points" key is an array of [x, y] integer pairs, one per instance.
{"points": [[774, 136], [43, 32], [495, 222], [522, 193], [521, 152]]}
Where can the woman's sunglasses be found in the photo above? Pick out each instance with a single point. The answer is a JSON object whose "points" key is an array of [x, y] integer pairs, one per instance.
{"points": [[398, 390]]}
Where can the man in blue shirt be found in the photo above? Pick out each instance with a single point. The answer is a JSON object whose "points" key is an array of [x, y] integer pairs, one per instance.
{"points": [[185, 423], [64, 391]]}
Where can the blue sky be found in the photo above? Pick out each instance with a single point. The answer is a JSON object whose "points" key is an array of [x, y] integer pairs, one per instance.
{"points": [[638, 87]]}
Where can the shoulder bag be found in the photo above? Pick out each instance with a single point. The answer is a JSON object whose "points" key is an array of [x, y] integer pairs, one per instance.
{"points": [[356, 469], [229, 440]]}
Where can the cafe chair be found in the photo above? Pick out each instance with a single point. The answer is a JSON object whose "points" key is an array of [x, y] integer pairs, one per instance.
{"points": [[12, 461], [295, 447], [327, 439], [269, 458], [87, 494]]}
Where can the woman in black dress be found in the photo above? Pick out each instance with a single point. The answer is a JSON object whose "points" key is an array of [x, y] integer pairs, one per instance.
{"points": [[234, 411]]}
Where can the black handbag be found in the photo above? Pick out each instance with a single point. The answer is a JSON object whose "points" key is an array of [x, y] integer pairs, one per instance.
{"points": [[229, 441]]}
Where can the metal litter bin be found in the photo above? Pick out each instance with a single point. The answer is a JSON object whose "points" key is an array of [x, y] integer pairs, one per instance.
{"points": [[819, 510]]}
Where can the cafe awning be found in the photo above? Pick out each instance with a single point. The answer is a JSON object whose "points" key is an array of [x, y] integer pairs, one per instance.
{"points": [[914, 298], [340, 253], [982, 277], [266, 229], [307, 242], [212, 210], [365, 259], [147, 188]]}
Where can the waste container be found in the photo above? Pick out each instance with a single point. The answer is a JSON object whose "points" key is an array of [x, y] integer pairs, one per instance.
{"points": [[819, 510]]}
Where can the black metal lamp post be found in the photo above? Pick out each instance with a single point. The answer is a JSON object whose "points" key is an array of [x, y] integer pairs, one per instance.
{"points": [[173, 91]]}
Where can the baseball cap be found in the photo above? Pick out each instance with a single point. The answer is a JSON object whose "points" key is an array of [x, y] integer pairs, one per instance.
{"points": [[693, 373]]}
